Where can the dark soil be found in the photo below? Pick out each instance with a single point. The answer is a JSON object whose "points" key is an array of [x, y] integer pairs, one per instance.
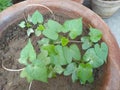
{"points": [[16, 1], [12, 41]]}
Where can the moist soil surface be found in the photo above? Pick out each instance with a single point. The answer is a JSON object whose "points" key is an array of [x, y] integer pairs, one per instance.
{"points": [[13, 39]]}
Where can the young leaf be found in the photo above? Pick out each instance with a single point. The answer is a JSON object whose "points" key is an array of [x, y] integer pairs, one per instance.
{"points": [[70, 69], [74, 26], [59, 59], [22, 24], [50, 48], [27, 54], [52, 29], [67, 54], [59, 51], [51, 72], [40, 27], [38, 71], [44, 41], [91, 57], [95, 34], [64, 41], [91, 79], [73, 34], [75, 52], [50, 34], [43, 56], [37, 32], [24, 74], [74, 76], [55, 26], [85, 72], [86, 42], [28, 25], [101, 51], [30, 31], [58, 69], [37, 17], [29, 18]]}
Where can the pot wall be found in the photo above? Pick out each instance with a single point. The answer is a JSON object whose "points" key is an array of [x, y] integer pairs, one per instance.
{"points": [[111, 79], [105, 8], [79, 1]]}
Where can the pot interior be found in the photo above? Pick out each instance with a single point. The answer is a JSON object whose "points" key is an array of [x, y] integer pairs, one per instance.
{"points": [[13, 40]]}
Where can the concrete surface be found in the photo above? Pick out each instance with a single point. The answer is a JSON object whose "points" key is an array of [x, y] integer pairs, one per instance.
{"points": [[113, 22]]}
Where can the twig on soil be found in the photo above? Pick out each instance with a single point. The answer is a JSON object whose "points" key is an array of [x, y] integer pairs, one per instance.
{"points": [[12, 70], [30, 85]]}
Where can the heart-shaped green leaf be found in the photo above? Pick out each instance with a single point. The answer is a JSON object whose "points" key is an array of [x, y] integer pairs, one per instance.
{"points": [[27, 54], [64, 41], [85, 72], [67, 54], [86, 42], [51, 72], [30, 31], [22, 24], [50, 48], [50, 34], [52, 29], [74, 76], [40, 27], [95, 34], [75, 52], [59, 58], [91, 57], [101, 51], [38, 71], [24, 74], [44, 41], [74, 26], [37, 32], [70, 69], [43, 57], [29, 18], [58, 69], [37, 17]]}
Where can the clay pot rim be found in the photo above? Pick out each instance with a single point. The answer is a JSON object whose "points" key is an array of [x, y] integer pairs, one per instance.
{"points": [[113, 57], [110, 2]]}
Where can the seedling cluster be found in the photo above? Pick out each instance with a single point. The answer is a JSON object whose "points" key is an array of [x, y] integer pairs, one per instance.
{"points": [[60, 51]]}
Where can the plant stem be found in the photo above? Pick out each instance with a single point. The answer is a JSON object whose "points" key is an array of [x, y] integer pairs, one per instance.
{"points": [[30, 85], [40, 5], [11, 70], [71, 41]]}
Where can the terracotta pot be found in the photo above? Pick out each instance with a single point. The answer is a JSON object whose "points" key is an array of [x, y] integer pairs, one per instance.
{"points": [[79, 1], [111, 77], [105, 8]]}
